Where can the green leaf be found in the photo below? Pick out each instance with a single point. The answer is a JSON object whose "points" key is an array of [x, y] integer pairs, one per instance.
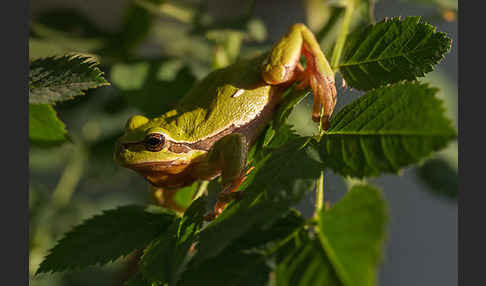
{"points": [[269, 235], [352, 233], [274, 139], [55, 79], [137, 280], [270, 190], [440, 178], [306, 265], [278, 128], [106, 237], [45, 128], [385, 130], [164, 259], [183, 197], [231, 269], [391, 51]]}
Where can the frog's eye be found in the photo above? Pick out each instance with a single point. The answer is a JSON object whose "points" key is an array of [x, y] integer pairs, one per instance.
{"points": [[154, 142]]}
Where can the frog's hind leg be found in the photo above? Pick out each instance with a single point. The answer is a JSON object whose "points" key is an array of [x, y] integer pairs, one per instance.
{"points": [[229, 154], [282, 66]]}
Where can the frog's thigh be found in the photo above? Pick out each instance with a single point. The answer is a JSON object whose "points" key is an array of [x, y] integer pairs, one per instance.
{"points": [[281, 66], [230, 153]]}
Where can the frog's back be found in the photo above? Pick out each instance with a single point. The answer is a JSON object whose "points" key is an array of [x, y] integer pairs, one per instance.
{"points": [[227, 99]]}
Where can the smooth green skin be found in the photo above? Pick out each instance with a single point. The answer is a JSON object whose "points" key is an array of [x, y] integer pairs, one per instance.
{"points": [[232, 96]]}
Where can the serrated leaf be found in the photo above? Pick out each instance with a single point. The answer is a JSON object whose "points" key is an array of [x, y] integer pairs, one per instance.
{"points": [[306, 265], [270, 190], [45, 128], [385, 130], [55, 79], [440, 178], [263, 235], [279, 132], [391, 51], [231, 269], [137, 280], [106, 237], [274, 139], [352, 233], [164, 258]]}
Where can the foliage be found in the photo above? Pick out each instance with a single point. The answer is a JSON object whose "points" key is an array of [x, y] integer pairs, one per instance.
{"points": [[385, 130], [260, 239], [58, 79], [106, 237], [391, 51], [45, 128]]}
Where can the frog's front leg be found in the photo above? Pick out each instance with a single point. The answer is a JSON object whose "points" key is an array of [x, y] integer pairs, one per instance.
{"points": [[282, 66], [229, 154]]}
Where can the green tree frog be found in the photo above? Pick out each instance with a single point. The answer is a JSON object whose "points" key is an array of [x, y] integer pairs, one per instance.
{"points": [[210, 130]]}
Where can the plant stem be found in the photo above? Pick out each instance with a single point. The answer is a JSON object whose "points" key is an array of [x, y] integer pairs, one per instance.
{"points": [[343, 33], [333, 19], [319, 194], [336, 56], [69, 178]]}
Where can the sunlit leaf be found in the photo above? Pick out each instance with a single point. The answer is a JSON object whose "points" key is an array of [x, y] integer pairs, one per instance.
{"points": [[45, 128], [391, 51], [352, 233], [385, 130]]}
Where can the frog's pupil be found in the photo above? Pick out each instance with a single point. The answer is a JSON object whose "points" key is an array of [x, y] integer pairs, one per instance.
{"points": [[154, 141]]}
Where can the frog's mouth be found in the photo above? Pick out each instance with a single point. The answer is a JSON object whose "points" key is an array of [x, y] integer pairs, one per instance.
{"points": [[156, 167]]}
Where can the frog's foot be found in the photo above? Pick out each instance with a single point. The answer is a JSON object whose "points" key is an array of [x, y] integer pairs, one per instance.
{"points": [[228, 194], [282, 67]]}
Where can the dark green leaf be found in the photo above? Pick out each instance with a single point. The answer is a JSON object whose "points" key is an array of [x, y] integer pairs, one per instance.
{"points": [[275, 139], [55, 79], [391, 51], [263, 235], [352, 233], [278, 128], [231, 269], [106, 237], [157, 258], [306, 265], [271, 189], [385, 130], [164, 258], [45, 128], [137, 280], [440, 177]]}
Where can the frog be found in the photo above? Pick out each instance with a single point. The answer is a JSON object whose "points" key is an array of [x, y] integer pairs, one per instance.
{"points": [[209, 132]]}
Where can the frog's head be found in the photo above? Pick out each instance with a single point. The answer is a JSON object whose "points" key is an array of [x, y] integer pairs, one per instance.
{"points": [[147, 148]]}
